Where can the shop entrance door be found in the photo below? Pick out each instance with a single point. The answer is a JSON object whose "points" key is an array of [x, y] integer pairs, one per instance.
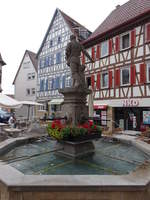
{"points": [[130, 119]]}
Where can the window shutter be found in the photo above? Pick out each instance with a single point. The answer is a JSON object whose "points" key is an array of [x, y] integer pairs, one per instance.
{"points": [[133, 75], [93, 53], [117, 77], [93, 81], [46, 87], [110, 79], [98, 83], [83, 58], [133, 38], [148, 32], [110, 47], [117, 44], [53, 84], [142, 73], [63, 81], [98, 52]]}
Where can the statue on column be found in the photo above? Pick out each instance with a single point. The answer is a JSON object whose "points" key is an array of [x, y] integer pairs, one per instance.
{"points": [[73, 53]]}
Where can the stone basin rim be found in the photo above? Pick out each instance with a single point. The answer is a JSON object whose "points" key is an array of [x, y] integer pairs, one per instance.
{"points": [[135, 180]]}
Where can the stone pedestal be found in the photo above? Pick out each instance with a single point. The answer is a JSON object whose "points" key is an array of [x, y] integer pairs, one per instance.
{"points": [[75, 149], [74, 105]]}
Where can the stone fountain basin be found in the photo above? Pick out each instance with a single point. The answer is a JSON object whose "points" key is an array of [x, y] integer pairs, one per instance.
{"points": [[15, 185]]}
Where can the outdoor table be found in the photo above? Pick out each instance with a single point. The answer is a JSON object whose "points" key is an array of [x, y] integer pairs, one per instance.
{"points": [[12, 131], [2, 126]]}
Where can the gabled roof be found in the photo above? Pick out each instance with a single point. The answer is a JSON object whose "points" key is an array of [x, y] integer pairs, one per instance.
{"points": [[69, 21], [73, 24], [121, 15], [1, 60], [33, 59]]}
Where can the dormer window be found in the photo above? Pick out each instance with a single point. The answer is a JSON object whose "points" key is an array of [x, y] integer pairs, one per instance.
{"points": [[125, 41]]}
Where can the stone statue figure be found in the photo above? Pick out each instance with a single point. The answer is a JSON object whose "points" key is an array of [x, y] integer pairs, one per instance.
{"points": [[73, 53]]}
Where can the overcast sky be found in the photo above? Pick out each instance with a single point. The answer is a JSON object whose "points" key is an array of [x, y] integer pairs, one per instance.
{"points": [[23, 24]]}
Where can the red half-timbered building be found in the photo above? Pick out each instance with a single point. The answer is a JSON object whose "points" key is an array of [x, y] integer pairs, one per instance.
{"points": [[120, 75]]}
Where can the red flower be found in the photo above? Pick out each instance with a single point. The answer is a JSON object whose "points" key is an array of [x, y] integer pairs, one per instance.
{"points": [[90, 123], [53, 125]]}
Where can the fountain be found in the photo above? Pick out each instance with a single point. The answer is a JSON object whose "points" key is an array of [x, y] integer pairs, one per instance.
{"points": [[68, 169]]}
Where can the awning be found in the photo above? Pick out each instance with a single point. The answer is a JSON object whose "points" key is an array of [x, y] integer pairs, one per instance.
{"points": [[100, 107], [55, 101]]}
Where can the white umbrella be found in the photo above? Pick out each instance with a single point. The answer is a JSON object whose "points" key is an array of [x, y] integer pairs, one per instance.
{"points": [[8, 102], [29, 104]]}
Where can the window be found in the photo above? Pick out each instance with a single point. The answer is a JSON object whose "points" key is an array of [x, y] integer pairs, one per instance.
{"points": [[28, 91], [41, 63], [58, 58], [104, 82], [104, 49], [88, 80], [125, 76], [68, 81], [33, 75], [148, 72], [42, 85], [33, 91], [46, 62], [59, 40], [125, 41], [51, 43], [29, 76], [51, 60]]}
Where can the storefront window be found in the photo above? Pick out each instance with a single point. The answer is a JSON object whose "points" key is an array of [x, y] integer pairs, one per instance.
{"points": [[125, 76], [104, 79]]}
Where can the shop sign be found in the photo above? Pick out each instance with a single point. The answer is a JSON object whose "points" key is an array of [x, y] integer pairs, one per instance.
{"points": [[100, 107], [130, 103]]}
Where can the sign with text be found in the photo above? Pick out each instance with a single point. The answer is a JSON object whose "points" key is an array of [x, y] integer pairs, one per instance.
{"points": [[130, 103]]}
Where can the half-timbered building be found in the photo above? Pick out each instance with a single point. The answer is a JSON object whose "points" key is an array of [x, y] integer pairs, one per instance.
{"points": [[120, 75], [53, 72]]}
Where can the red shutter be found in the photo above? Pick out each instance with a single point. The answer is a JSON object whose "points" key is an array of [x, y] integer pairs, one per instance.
{"points": [[117, 77], [98, 52], [93, 81], [83, 59], [93, 53], [98, 83], [110, 79], [142, 73], [133, 75], [117, 43], [133, 38], [110, 46], [148, 32]]}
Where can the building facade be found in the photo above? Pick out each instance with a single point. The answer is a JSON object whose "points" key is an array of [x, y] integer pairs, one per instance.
{"points": [[25, 83], [53, 72], [120, 75]]}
